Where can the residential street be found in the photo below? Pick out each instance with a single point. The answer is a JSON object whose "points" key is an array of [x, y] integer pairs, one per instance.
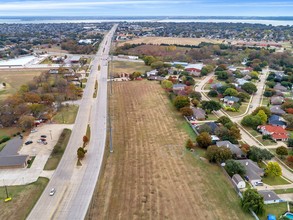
{"points": [[75, 184]]}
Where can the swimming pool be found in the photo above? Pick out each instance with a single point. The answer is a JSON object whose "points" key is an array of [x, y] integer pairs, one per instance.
{"points": [[289, 215]]}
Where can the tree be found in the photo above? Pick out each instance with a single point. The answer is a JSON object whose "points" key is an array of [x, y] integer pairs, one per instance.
{"points": [[263, 116], [148, 60], [195, 95], [166, 84], [257, 154], [186, 111], [81, 153], [273, 169], [250, 88], [252, 200], [189, 144], [85, 140], [212, 93], [230, 92], [224, 120], [251, 121], [32, 97], [205, 128], [204, 140], [218, 154], [243, 96], [157, 65], [26, 121], [290, 159], [265, 109], [290, 142], [289, 120], [233, 167], [222, 75], [210, 106], [181, 101], [282, 151]]}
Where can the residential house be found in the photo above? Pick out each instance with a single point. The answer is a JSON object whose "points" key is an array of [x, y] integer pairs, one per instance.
{"points": [[276, 120], [215, 138], [247, 77], [241, 82], [178, 87], [194, 69], [238, 181], [281, 88], [212, 125], [230, 100], [276, 110], [75, 59], [270, 197], [199, 113], [234, 148], [276, 132], [216, 86], [252, 171], [277, 100]]}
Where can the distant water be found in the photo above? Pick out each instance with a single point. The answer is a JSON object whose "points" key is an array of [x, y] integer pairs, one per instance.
{"points": [[39, 20]]}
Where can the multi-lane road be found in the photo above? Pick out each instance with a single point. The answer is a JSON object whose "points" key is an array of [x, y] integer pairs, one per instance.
{"points": [[75, 185]]}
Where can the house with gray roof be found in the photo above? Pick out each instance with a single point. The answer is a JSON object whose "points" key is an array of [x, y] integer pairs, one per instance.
{"points": [[230, 100], [241, 82], [277, 100], [234, 148], [277, 120], [281, 88], [270, 197], [178, 87], [276, 110], [252, 171], [199, 113], [9, 157]]}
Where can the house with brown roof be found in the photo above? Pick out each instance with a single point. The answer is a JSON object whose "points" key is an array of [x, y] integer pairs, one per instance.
{"points": [[277, 100], [199, 113], [276, 132]]}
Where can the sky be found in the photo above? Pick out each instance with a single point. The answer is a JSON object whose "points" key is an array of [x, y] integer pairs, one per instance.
{"points": [[146, 8]]}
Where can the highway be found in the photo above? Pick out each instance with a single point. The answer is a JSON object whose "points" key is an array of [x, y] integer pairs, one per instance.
{"points": [[75, 184]]}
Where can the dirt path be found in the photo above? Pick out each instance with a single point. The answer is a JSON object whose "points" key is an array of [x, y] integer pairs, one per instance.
{"points": [[149, 175]]}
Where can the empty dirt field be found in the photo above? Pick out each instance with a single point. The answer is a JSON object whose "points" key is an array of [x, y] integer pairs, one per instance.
{"points": [[14, 78], [170, 40], [150, 175]]}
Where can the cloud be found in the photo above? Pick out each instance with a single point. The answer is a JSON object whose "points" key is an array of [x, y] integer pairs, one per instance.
{"points": [[40, 5]]}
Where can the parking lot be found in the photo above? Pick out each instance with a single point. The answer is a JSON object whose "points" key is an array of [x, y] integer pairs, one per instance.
{"points": [[41, 152]]}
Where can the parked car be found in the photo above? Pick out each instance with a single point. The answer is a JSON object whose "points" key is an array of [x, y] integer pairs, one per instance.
{"points": [[28, 142], [39, 141], [43, 139], [258, 183], [43, 136], [34, 130], [52, 192], [45, 142]]}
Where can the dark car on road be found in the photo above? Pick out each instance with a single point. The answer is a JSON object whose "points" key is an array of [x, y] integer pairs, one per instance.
{"points": [[28, 142], [43, 136]]}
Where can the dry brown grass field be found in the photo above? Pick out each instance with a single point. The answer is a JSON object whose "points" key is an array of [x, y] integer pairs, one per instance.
{"points": [[150, 175], [170, 40], [14, 78]]}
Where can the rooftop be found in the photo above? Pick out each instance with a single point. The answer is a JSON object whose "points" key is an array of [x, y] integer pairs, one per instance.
{"points": [[268, 195]]}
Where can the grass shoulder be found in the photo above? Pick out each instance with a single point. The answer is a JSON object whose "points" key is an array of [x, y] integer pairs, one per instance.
{"points": [[23, 199], [58, 150]]}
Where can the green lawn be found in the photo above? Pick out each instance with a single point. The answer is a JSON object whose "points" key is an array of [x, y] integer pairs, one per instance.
{"points": [[188, 130], [23, 199], [265, 101], [241, 111], [276, 209], [66, 115], [212, 117], [217, 184], [58, 150], [47, 61], [9, 131], [272, 181], [283, 191]]}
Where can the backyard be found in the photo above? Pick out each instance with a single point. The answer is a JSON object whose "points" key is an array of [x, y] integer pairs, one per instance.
{"points": [[66, 115], [150, 175], [128, 67]]}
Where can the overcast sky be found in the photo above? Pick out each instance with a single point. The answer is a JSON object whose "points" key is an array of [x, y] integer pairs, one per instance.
{"points": [[146, 8]]}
